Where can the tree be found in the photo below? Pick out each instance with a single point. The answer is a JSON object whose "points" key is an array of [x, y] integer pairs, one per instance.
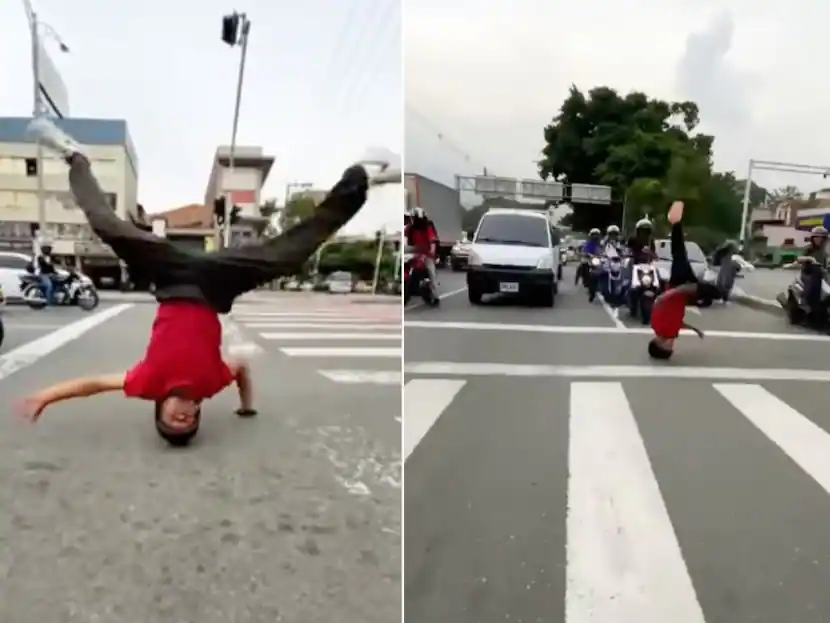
{"points": [[785, 193], [298, 209], [647, 151]]}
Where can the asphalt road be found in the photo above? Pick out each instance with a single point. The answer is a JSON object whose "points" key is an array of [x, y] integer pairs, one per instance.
{"points": [[290, 516], [554, 473], [766, 283]]}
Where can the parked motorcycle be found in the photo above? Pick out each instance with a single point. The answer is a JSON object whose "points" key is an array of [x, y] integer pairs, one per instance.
{"points": [[644, 289], [417, 281], [69, 289]]}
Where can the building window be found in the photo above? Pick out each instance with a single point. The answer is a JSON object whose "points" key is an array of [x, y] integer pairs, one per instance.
{"points": [[31, 167]]}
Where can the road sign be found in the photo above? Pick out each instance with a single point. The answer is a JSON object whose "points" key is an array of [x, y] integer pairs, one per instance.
{"points": [[550, 191], [589, 193], [488, 186]]}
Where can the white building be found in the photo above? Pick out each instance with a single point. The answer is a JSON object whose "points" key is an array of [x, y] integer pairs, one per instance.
{"points": [[108, 144]]}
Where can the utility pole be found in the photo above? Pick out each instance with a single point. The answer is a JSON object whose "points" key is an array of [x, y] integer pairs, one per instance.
{"points": [[35, 27], [235, 30], [767, 165]]}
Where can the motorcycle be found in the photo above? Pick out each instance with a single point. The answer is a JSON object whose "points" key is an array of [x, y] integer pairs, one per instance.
{"points": [[799, 312], [417, 281], [614, 291], [69, 289], [592, 276], [644, 289]]}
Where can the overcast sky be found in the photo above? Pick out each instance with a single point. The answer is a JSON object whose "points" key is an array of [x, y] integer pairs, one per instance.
{"points": [[488, 75], [323, 82]]}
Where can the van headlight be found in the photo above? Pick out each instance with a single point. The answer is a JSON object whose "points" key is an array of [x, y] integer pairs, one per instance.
{"points": [[545, 262], [595, 262], [646, 281]]}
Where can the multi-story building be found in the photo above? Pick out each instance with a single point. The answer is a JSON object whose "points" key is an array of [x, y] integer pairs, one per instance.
{"points": [[243, 184], [109, 147]]}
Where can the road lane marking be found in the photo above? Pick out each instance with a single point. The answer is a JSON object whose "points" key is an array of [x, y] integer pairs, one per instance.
{"points": [[446, 368], [424, 400], [27, 354], [323, 336], [443, 296], [591, 330], [367, 377], [355, 351], [624, 562], [806, 443], [613, 313], [337, 326]]}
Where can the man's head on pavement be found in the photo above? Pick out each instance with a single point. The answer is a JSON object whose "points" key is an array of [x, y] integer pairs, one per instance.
{"points": [[177, 419], [661, 348]]}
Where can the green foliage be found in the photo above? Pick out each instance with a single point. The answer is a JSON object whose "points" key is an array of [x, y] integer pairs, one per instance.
{"points": [[298, 209], [648, 151]]}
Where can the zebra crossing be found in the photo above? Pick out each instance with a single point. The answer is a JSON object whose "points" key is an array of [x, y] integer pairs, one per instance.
{"points": [[326, 329], [596, 501]]}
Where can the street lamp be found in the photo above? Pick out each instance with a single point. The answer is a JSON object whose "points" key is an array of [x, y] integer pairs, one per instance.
{"points": [[235, 29], [37, 27], [767, 165]]}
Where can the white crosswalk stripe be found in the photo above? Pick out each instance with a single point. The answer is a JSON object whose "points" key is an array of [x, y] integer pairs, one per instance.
{"points": [[620, 531], [326, 328]]}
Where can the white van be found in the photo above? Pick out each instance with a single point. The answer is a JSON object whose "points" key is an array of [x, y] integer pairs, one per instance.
{"points": [[514, 252]]}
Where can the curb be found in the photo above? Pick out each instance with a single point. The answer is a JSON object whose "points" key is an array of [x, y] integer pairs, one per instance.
{"points": [[756, 302]]}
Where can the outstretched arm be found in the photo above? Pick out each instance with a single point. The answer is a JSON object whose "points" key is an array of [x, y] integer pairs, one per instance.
{"points": [[32, 407], [242, 374]]}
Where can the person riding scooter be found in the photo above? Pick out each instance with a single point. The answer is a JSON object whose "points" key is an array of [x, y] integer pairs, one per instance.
{"points": [[612, 238], [813, 264], [641, 244], [46, 270], [591, 248], [422, 235], [728, 260]]}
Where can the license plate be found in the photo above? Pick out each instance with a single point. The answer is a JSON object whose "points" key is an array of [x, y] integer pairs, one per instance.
{"points": [[508, 287], [648, 293]]}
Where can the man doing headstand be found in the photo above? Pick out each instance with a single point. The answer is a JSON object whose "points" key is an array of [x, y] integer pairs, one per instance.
{"points": [[183, 364], [668, 314]]}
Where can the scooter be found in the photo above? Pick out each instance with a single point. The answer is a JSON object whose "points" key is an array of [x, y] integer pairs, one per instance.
{"points": [[592, 276], [644, 289], [614, 285], [417, 281], [799, 312]]}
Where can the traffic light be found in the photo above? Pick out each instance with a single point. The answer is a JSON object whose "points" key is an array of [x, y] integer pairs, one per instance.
{"points": [[235, 210], [230, 29], [219, 209]]}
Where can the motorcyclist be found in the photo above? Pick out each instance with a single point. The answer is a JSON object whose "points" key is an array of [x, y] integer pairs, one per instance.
{"points": [[46, 270], [612, 238], [641, 244], [813, 264], [592, 247], [729, 261], [422, 235]]}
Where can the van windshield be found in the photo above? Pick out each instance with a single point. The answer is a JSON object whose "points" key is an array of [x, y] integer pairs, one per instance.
{"points": [[526, 231]]}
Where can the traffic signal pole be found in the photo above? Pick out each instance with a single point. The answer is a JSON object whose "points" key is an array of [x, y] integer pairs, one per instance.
{"points": [[235, 29]]}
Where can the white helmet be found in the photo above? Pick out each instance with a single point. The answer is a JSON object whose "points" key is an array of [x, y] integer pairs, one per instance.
{"points": [[418, 212], [643, 223], [612, 229], [594, 232]]}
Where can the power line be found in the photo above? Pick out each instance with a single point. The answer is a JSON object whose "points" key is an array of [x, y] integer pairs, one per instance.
{"points": [[443, 138], [368, 47], [375, 51]]}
